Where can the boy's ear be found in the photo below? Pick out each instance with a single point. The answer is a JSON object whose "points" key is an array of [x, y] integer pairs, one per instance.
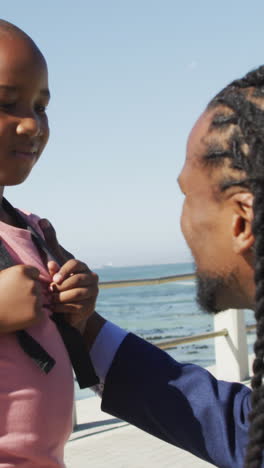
{"points": [[243, 238]]}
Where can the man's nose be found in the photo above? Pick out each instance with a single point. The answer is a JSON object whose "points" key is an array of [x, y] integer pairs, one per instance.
{"points": [[30, 126]]}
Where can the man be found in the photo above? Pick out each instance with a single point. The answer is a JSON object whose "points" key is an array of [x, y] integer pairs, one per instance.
{"points": [[223, 223]]}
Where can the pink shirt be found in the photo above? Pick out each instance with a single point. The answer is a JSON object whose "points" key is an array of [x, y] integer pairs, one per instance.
{"points": [[35, 408]]}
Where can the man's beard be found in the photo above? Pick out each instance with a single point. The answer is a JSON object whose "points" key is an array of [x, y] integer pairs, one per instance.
{"points": [[213, 293]]}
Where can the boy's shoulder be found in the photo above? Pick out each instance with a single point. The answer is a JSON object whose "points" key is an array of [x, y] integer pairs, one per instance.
{"points": [[28, 215]]}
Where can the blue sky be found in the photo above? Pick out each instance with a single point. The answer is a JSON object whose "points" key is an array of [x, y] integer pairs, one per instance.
{"points": [[128, 80]]}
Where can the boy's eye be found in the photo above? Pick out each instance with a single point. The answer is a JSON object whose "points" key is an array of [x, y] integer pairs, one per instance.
{"points": [[10, 106], [41, 109], [6, 105]]}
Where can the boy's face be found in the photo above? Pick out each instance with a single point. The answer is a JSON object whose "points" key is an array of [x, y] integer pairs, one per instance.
{"points": [[24, 96]]}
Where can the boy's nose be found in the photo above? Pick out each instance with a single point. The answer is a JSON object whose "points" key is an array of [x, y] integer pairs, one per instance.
{"points": [[30, 126]]}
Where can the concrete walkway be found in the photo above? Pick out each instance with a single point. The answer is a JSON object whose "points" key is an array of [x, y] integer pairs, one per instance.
{"points": [[109, 442]]}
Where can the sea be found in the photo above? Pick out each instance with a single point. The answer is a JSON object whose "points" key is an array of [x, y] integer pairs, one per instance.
{"points": [[159, 312]]}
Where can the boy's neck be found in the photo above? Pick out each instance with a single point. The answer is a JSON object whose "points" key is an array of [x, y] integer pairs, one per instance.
{"points": [[2, 212], [1, 193], [4, 216]]}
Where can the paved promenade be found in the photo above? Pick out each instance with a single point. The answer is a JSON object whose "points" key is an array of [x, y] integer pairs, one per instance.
{"points": [[108, 442]]}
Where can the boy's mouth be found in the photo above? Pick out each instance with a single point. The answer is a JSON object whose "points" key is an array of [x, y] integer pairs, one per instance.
{"points": [[23, 153]]}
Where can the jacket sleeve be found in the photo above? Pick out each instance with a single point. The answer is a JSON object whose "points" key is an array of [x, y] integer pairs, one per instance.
{"points": [[183, 404]]}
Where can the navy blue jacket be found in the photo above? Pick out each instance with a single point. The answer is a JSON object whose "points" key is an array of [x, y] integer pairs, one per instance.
{"points": [[182, 404]]}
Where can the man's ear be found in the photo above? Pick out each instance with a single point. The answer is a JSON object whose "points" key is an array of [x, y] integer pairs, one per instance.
{"points": [[243, 238]]}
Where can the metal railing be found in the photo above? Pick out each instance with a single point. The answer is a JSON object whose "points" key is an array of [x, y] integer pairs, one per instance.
{"points": [[145, 281], [170, 344]]}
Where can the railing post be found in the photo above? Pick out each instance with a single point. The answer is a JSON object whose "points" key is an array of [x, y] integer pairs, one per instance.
{"points": [[231, 351], [74, 415]]}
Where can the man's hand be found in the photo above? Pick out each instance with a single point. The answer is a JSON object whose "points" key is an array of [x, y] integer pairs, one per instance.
{"points": [[75, 290], [74, 287], [21, 298]]}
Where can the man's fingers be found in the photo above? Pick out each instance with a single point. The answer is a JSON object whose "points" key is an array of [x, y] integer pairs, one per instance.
{"points": [[71, 267], [74, 295], [79, 280], [76, 309], [73, 315]]}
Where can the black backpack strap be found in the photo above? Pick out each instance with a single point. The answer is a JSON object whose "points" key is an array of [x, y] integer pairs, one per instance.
{"points": [[35, 351], [73, 340]]}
